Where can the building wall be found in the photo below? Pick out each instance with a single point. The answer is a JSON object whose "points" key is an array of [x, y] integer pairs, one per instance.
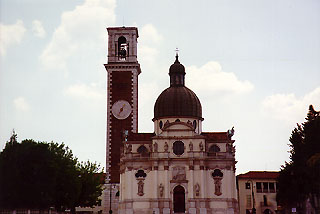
{"points": [[164, 170], [246, 197]]}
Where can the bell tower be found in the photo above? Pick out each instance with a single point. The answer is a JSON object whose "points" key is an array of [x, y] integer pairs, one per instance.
{"points": [[122, 94]]}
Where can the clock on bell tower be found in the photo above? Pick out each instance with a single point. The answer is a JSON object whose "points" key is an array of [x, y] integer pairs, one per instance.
{"points": [[122, 93]]}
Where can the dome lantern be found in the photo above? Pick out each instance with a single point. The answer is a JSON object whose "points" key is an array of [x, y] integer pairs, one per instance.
{"points": [[177, 73]]}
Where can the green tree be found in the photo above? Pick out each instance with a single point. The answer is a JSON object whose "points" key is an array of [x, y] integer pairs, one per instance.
{"points": [[39, 175], [299, 179], [91, 184]]}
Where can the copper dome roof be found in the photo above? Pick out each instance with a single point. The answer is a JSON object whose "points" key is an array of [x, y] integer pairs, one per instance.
{"points": [[177, 100]]}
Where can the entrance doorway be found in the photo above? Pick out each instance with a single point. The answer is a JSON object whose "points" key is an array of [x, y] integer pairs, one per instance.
{"points": [[179, 204], [267, 211]]}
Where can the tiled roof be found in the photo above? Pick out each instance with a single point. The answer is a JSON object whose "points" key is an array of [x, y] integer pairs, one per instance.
{"points": [[140, 136], [259, 175], [215, 135]]}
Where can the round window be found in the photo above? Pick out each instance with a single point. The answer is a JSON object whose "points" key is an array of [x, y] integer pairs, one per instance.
{"points": [[178, 147]]}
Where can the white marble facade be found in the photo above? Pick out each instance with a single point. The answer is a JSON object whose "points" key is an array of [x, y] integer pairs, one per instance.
{"points": [[153, 172]]}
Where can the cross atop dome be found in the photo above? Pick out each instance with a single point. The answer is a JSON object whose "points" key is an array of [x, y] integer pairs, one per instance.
{"points": [[177, 54]]}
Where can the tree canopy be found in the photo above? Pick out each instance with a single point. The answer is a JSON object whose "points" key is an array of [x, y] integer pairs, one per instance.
{"points": [[40, 175], [299, 178]]}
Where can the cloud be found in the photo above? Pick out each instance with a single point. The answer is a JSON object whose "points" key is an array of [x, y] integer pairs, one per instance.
{"points": [[38, 29], [85, 91], [290, 108], [150, 34], [10, 35], [21, 104], [81, 33], [149, 41], [211, 79]]}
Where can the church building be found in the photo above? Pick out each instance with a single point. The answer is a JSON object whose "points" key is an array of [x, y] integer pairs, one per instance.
{"points": [[176, 169]]}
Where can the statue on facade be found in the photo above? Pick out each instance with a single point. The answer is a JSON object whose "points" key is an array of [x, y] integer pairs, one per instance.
{"points": [[155, 147], [201, 147], [197, 189], [230, 132], [217, 186], [190, 146], [129, 148], [140, 188], [166, 147], [161, 190]]}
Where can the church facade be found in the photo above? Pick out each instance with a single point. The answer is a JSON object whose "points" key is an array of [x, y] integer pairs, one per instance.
{"points": [[176, 169]]}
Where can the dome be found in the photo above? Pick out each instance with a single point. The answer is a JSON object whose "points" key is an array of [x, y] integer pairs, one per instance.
{"points": [[177, 100]]}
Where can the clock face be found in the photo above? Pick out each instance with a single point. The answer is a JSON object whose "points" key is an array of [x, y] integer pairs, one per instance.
{"points": [[121, 109]]}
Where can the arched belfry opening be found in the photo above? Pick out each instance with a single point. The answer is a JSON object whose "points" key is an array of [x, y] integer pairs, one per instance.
{"points": [[122, 48], [179, 204]]}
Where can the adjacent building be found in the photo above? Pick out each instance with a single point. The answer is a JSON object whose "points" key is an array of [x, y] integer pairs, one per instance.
{"points": [[257, 190]]}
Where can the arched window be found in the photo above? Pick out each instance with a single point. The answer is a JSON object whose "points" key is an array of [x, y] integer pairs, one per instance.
{"points": [[160, 124], [194, 123], [179, 204], [122, 47], [177, 120], [143, 151], [214, 148], [178, 147]]}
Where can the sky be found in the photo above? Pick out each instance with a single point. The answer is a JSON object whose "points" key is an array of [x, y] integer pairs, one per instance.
{"points": [[254, 64]]}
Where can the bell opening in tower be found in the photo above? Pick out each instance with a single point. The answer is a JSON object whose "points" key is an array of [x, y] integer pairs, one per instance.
{"points": [[122, 48]]}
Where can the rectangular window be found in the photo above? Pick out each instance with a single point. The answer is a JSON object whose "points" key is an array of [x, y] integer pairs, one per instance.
{"points": [[248, 185], [265, 186], [259, 187], [271, 187], [249, 201]]}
